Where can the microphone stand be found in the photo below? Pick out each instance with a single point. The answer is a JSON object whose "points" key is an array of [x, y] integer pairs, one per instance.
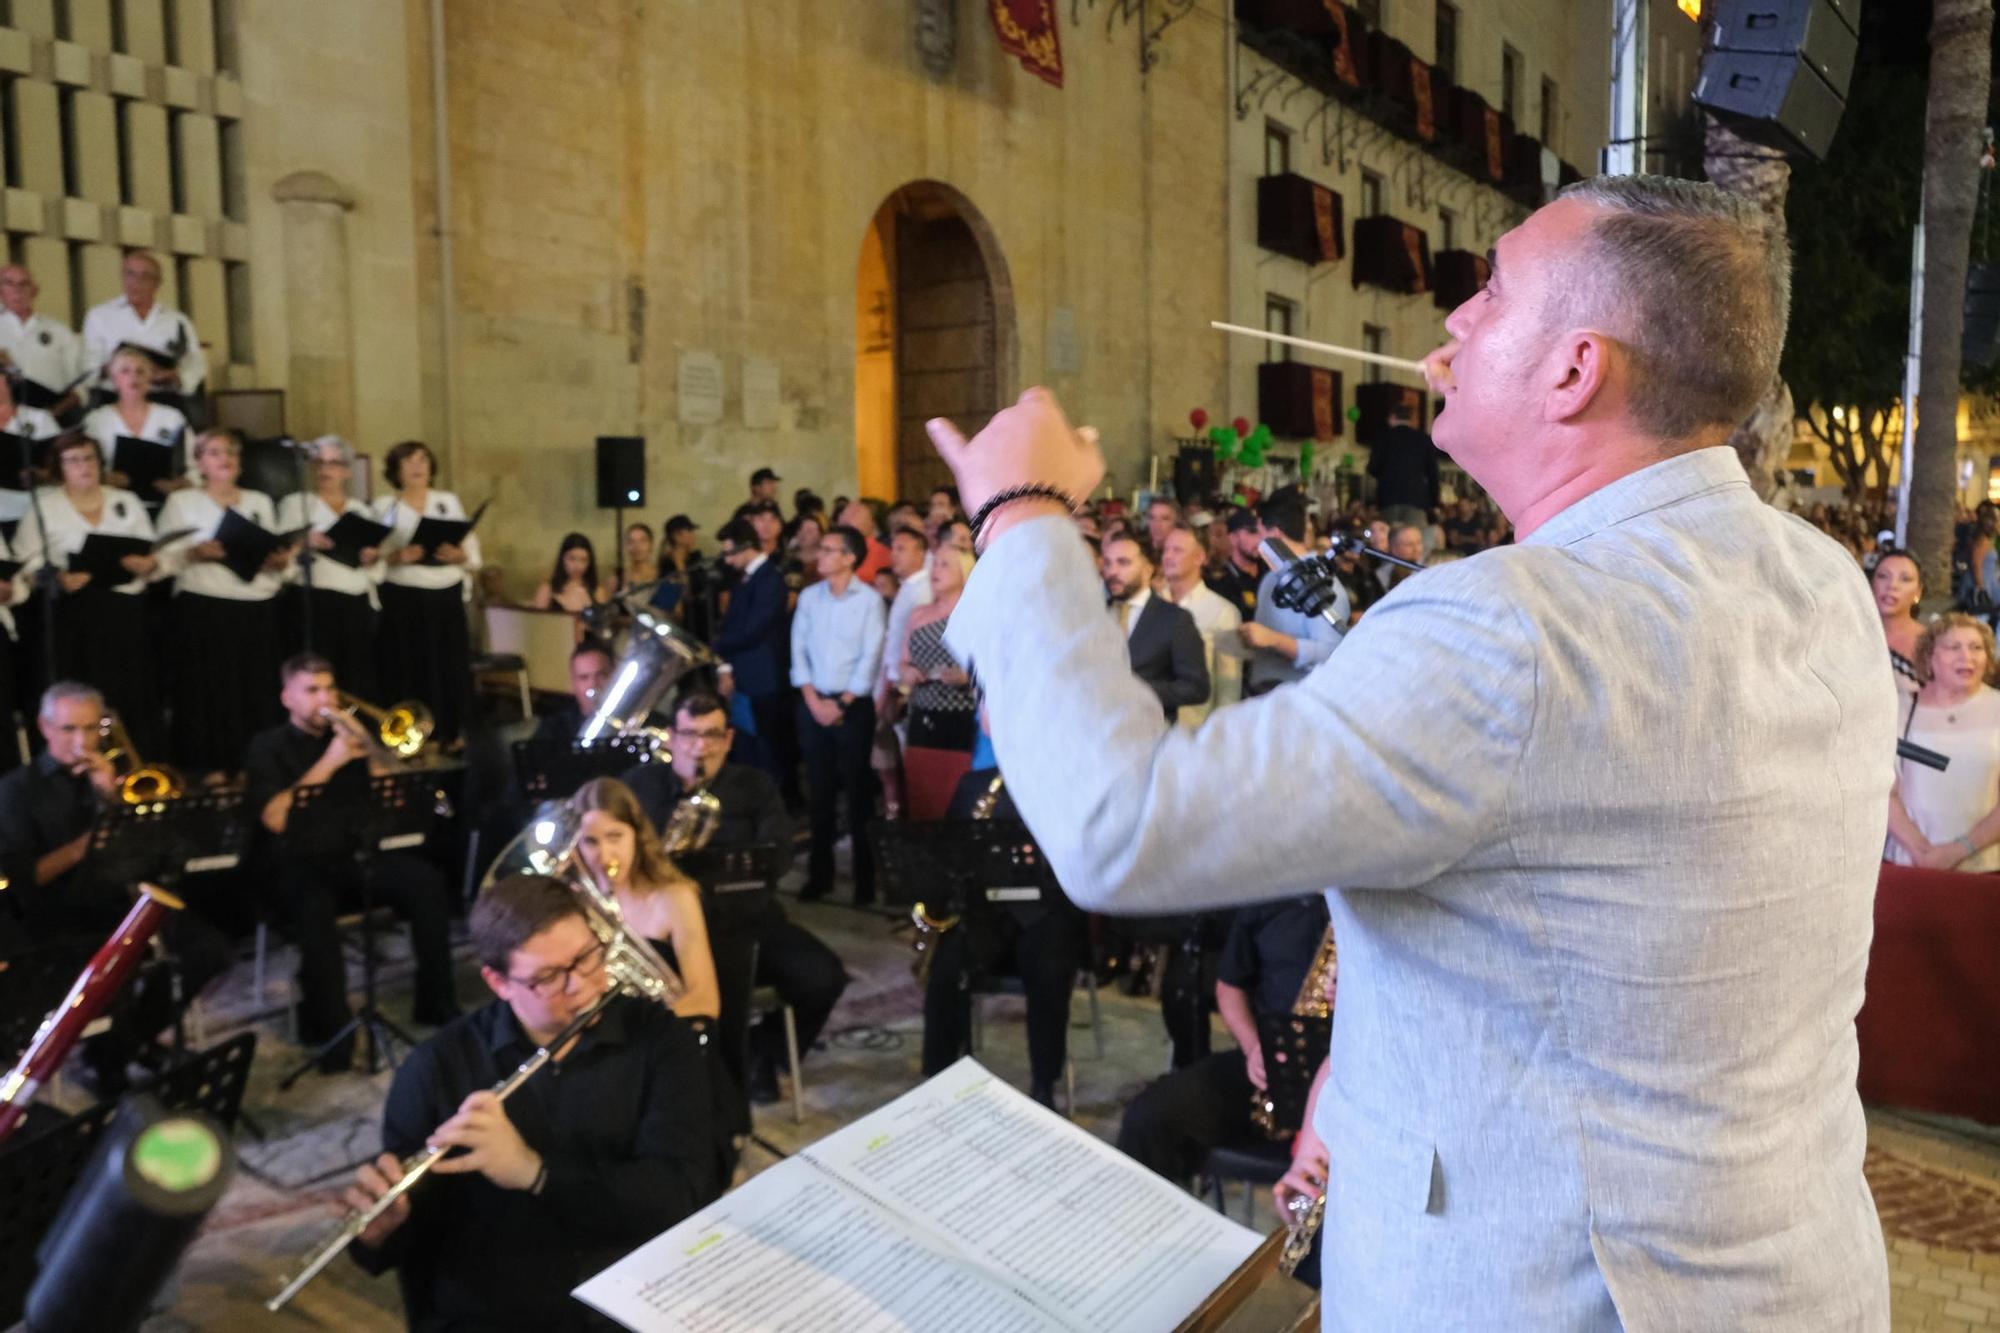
{"points": [[45, 580]]}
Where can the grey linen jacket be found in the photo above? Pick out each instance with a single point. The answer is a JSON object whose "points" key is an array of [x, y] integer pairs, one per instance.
{"points": [[1607, 807]]}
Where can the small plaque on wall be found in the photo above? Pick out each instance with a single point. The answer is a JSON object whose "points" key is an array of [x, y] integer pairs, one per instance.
{"points": [[700, 389]]}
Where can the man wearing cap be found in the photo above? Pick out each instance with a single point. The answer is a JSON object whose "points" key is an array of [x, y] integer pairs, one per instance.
{"points": [[46, 352], [764, 486], [1236, 578]]}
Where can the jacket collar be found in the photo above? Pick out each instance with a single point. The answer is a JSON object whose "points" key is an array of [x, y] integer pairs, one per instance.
{"points": [[1667, 482]]}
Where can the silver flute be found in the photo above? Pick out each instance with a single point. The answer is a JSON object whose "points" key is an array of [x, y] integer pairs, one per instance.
{"points": [[418, 1165]]}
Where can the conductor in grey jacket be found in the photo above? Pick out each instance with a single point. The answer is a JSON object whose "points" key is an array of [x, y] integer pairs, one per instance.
{"points": [[1605, 808]]}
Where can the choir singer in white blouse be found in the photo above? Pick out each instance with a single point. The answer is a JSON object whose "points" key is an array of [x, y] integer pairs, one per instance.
{"points": [[223, 634], [426, 651], [343, 606]]}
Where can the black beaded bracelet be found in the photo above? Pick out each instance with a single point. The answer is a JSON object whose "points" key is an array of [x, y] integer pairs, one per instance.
{"points": [[1033, 490]]}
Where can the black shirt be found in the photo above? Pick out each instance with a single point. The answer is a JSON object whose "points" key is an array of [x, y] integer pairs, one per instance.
{"points": [[561, 726], [276, 759], [625, 1127], [1404, 463], [752, 812], [42, 807], [1270, 949], [1240, 588]]}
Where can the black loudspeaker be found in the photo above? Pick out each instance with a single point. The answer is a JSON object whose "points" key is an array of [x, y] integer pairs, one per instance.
{"points": [[621, 472], [1194, 473], [1777, 71]]}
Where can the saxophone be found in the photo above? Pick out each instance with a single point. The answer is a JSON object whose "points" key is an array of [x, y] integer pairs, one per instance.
{"points": [[1310, 1003], [930, 929]]}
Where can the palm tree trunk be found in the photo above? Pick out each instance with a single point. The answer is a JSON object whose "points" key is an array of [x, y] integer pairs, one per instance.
{"points": [[1960, 79], [1764, 439]]}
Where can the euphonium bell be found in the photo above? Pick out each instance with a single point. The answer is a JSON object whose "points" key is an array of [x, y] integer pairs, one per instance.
{"points": [[139, 783], [403, 729]]}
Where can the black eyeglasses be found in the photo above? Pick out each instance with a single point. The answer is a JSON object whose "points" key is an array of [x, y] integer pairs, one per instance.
{"points": [[555, 980]]}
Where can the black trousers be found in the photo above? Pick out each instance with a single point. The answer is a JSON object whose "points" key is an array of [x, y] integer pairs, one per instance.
{"points": [[1172, 1124], [313, 894], [1045, 953], [807, 975], [777, 748], [197, 953], [837, 760]]}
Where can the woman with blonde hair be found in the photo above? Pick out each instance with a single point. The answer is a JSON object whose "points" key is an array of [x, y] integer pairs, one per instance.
{"points": [[622, 852], [1950, 820], [944, 708], [133, 422]]}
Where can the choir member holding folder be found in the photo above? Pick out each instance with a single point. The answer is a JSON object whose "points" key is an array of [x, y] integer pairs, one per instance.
{"points": [[100, 539], [432, 555], [21, 427], [345, 542], [223, 635], [140, 439]]}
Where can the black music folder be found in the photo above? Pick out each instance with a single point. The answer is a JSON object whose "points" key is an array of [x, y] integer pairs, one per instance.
{"points": [[101, 553], [8, 569], [246, 546], [432, 533], [351, 534], [33, 393], [19, 455], [145, 462]]}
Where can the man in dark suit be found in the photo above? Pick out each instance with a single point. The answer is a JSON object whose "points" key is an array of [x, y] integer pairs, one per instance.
{"points": [[590, 665], [754, 643], [1161, 638]]}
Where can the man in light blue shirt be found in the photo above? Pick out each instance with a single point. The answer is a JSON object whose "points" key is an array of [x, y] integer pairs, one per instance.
{"points": [[1288, 645], [836, 652]]}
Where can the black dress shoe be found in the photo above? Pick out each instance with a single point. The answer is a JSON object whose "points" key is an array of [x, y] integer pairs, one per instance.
{"points": [[812, 893], [762, 1082], [1045, 1093]]}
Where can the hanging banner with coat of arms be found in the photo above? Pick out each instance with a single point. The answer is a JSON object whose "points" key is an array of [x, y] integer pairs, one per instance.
{"points": [[1027, 30]]}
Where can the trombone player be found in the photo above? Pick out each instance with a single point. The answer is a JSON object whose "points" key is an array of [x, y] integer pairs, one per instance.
{"points": [[320, 744], [580, 1164], [55, 898]]}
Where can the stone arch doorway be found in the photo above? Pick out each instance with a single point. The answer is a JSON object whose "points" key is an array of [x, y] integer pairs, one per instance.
{"points": [[934, 334]]}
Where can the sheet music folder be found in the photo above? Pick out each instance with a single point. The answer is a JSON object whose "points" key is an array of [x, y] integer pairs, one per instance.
{"points": [[101, 553], [246, 546], [145, 462], [434, 532], [351, 534], [961, 1204], [33, 393]]}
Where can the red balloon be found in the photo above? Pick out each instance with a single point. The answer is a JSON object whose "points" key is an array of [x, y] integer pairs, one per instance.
{"points": [[1198, 418], [1241, 425]]}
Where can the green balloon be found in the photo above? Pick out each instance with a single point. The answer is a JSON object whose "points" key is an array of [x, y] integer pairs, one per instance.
{"points": [[1306, 459], [1354, 414]]}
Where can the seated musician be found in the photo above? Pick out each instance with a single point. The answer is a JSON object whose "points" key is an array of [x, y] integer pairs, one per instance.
{"points": [[1042, 942], [1172, 1124], [58, 900], [317, 745], [589, 1158], [807, 975], [622, 852], [589, 672]]}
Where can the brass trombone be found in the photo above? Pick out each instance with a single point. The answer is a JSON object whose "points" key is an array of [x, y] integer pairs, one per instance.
{"points": [[403, 729], [139, 783]]}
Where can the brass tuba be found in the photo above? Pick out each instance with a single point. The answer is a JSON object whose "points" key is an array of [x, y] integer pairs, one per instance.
{"points": [[657, 654], [403, 729], [139, 783]]}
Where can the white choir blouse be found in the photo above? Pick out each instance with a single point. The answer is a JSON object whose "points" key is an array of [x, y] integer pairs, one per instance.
{"points": [[211, 578], [36, 424], [123, 516], [402, 521], [20, 586], [300, 510], [162, 422]]}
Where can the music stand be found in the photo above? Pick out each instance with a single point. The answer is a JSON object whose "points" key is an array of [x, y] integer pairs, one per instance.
{"points": [[552, 770], [395, 811], [161, 842]]}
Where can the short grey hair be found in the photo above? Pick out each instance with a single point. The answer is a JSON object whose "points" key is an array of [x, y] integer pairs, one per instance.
{"points": [[335, 443], [68, 691], [1696, 283]]}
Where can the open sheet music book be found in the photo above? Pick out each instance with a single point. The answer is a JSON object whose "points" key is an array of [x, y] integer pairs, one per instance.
{"points": [[961, 1205]]}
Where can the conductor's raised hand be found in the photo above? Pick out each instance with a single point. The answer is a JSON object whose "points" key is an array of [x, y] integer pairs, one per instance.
{"points": [[1030, 443]]}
